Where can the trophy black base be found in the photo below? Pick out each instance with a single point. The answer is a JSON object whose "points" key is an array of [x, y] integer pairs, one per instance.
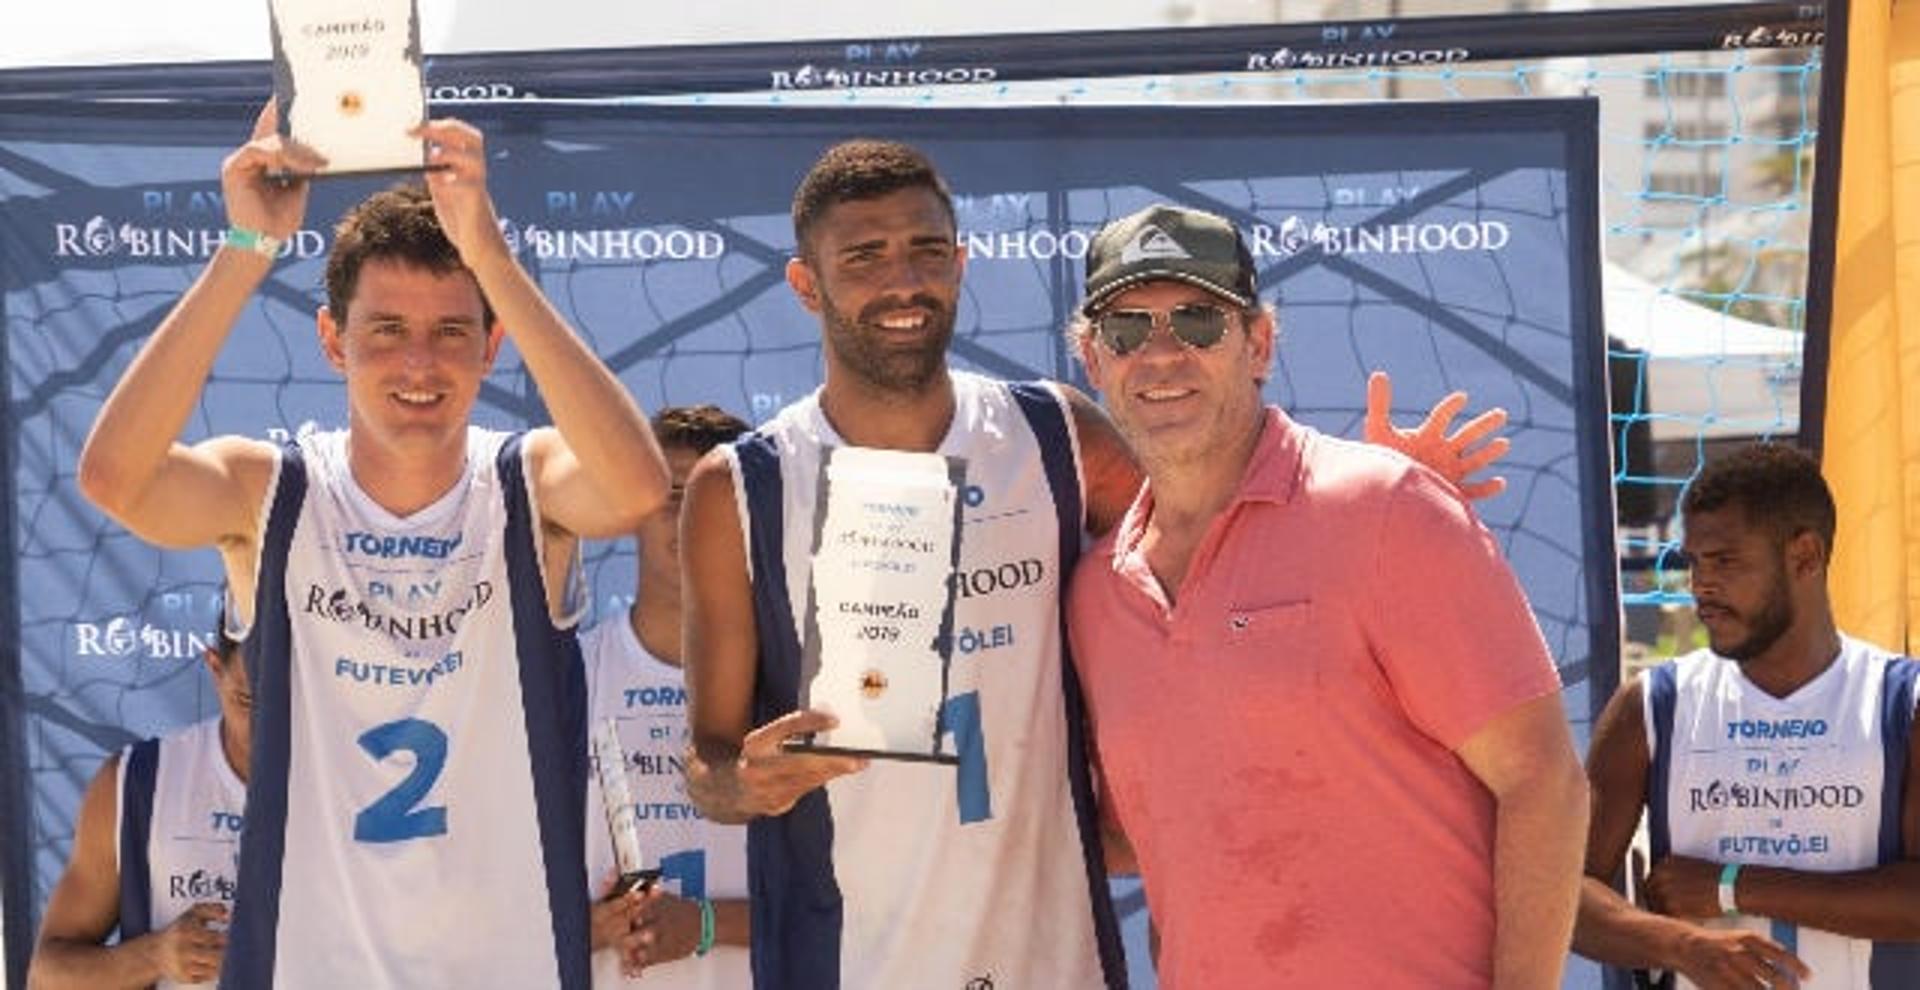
{"points": [[905, 756], [643, 879], [289, 176]]}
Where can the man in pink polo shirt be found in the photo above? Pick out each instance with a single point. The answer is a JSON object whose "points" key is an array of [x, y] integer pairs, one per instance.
{"points": [[1326, 720]]}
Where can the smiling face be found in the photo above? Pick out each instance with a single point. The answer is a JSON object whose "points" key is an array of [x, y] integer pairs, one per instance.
{"points": [[884, 276], [1742, 586], [414, 350], [1176, 404]]}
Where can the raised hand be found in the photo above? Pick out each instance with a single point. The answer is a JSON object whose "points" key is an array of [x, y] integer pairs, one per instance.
{"points": [[457, 157], [1456, 456], [261, 180]]}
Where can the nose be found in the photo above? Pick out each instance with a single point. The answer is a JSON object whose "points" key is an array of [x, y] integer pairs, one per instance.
{"points": [[903, 277], [418, 352]]}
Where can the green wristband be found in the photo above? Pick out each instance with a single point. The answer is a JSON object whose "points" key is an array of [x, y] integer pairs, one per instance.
{"points": [[706, 928], [1728, 875], [264, 245]]}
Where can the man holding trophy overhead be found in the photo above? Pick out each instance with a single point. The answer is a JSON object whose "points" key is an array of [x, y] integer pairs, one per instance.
{"points": [[403, 584]]}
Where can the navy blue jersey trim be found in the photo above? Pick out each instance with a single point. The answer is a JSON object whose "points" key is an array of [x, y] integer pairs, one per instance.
{"points": [[1895, 964], [553, 693], [1661, 689], [267, 651], [1896, 729], [1048, 421], [140, 773], [794, 898]]}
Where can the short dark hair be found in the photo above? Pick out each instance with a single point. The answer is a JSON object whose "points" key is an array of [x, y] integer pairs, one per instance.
{"points": [[698, 428], [396, 224], [1777, 485], [862, 169]]}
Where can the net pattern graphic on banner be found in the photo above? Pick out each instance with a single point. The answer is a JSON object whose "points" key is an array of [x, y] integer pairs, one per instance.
{"points": [[1705, 186], [1707, 179]]}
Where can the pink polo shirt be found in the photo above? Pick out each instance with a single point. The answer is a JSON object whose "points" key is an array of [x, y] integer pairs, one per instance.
{"points": [[1278, 744]]}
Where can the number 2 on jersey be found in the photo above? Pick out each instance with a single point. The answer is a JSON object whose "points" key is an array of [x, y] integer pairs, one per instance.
{"points": [[393, 818]]}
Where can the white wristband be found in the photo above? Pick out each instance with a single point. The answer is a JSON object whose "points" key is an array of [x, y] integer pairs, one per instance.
{"points": [[1728, 874]]}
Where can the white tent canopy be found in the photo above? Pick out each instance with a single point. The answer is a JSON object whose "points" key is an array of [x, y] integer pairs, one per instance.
{"points": [[1708, 374]]}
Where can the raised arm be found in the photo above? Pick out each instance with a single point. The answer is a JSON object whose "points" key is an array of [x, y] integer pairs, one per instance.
{"points": [[598, 471], [1611, 930], [133, 465], [85, 909], [734, 770]]}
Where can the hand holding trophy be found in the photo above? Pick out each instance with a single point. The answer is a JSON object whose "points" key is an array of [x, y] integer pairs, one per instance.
{"points": [[347, 82]]}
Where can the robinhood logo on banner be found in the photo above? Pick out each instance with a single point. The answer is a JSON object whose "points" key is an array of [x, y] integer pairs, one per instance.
{"points": [[1295, 235], [818, 77], [126, 638], [614, 244], [1292, 236], [1287, 58], [99, 237]]}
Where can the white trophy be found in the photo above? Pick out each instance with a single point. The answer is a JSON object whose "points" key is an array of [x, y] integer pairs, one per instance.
{"points": [[879, 626], [610, 763], [347, 79]]}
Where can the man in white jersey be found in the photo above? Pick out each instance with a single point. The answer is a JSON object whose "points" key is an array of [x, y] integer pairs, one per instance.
{"points": [[155, 853], [699, 910], [908, 874], [1776, 767], [405, 583]]}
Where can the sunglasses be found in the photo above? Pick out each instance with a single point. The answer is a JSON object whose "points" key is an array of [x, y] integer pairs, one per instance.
{"points": [[1195, 325]]}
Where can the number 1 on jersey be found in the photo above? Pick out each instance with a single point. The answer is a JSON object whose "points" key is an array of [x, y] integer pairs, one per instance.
{"points": [[961, 716], [393, 817]]}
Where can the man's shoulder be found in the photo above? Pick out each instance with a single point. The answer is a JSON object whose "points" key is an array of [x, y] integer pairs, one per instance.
{"points": [[1338, 471]]}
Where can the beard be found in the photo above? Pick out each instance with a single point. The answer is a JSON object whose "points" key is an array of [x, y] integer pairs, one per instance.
{"points": [[1767, 625], [860, 345]]}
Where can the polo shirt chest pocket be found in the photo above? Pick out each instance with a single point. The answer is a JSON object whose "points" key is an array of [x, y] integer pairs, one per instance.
{"points": [[1257, 634]]}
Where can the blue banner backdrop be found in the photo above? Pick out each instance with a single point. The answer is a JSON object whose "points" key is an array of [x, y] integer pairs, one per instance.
{"points": [[1454, 245]]}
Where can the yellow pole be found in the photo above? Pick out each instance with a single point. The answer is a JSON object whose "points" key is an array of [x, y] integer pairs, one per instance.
{"points": [[1871, 455]]}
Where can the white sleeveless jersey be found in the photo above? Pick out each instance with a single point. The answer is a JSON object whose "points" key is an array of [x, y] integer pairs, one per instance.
{"points": [[181, 808], [1809, 782], [921, 875], [647, 699], [419, 746]]}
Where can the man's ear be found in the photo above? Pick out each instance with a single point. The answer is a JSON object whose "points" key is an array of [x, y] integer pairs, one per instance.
{"points": [[803, 281], [1262, 331], [496, 335], [332, 342], [1088, 352], [1807, 555]]}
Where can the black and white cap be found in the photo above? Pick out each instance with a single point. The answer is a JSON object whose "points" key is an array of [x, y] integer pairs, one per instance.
{"points": [[1169, 242]]}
